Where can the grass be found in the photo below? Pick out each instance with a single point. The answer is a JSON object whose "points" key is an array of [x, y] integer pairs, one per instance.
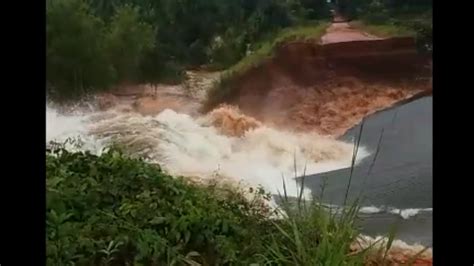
{"points": [[420, 28], [384, 30], [266, 49], [223, 90], [312, 234]]}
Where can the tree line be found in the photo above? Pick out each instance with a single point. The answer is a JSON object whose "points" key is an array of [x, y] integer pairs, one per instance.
{"points": [[97, 44]]}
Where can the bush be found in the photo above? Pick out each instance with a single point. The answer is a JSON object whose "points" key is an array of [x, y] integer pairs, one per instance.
{"points": [[226, 50], [375, 13], [397, 18], [423, 26], [113, 210]]}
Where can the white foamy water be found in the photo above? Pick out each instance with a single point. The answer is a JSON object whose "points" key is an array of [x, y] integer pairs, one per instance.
{"points": [[407, 213], [187, 146], [370, 210], [60, 127], [404, 213]]}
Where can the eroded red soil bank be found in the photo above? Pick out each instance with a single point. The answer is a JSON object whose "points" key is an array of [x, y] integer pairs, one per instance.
{"points": [[329, 88]]}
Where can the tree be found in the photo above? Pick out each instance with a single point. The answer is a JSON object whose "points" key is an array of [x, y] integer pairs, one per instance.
{"points": [[75, 60], [127, 41], [94, 44]]}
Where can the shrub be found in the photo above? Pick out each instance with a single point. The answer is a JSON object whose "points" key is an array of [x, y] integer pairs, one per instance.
{"points": [[113, 210], [110, 207], [375, 12]]}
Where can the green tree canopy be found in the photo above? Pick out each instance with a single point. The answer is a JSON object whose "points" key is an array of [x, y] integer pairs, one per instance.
{"points": [[127, 41], [75, 51]]}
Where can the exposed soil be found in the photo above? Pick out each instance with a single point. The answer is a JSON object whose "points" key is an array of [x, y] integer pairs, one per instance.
{"points": [[329, 87], [330, 112], [343, 32]]}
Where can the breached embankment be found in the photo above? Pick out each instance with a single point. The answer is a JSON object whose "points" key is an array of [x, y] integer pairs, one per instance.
{"points": [[306, 87], [329, 88]]}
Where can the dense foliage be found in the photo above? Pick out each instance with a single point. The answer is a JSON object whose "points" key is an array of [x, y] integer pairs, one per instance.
{"points": [[97, 44], [94, 44], [112, 210], [413, 15]]}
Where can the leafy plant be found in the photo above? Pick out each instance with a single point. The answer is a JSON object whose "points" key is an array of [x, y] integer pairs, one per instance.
{"points": [[109, 251], [110, 209], [142, 215]]}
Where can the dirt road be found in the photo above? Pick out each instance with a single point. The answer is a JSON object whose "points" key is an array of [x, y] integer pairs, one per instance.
{"points": [[344, 32]]}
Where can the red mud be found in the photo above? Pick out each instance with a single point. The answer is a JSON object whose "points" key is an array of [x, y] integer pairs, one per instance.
{"points": [[230, 122], [328, 88]]}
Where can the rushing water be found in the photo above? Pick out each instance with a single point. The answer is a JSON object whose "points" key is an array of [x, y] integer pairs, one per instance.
{"points": [[398, 189], [192, 146]]}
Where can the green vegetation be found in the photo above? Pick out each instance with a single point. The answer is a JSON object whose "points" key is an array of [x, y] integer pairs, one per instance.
{"points": [[266, 48], [127, 41], [395, 18], [222, 90], [384, 30], [75, 45], [113, 210], [381, 10], [83, 52], [98, 44], [378, 17]]}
